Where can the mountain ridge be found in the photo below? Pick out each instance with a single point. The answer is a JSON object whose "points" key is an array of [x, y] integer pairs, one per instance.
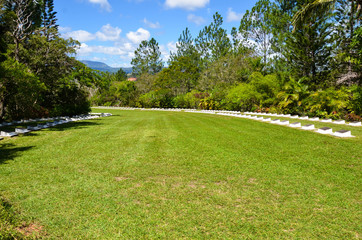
{"points": [[103, 66]]}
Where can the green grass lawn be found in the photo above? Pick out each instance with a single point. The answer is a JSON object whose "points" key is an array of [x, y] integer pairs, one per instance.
{"points": [[172, 175]]}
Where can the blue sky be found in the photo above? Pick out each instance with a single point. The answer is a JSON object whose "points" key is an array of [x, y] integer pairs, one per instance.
{"points": [[111, 30]]}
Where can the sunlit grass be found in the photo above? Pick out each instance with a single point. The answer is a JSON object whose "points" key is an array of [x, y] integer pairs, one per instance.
{"points": [[144, 174]]}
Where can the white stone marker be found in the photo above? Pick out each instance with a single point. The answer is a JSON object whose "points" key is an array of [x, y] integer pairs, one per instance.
{"points": [[294, 116], [303, 117], [325, 130], [21, 130], [275, 121], [308, 127], [260, 118], [295, 125], [266, 120], [8, 134], [355, 124], [314, 119], [32, 128], [285, 122], [326, 120], [339, 122], [343, 133]]}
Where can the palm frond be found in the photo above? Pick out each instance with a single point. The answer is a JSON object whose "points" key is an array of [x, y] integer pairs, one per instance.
{"points": [[320, 7]]}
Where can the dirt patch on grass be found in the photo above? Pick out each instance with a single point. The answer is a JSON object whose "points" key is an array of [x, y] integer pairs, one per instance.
{"points": [[32, 229], [118, 179]]}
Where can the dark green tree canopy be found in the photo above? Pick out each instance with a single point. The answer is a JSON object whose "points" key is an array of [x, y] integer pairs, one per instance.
{"points": [[147, 58]]}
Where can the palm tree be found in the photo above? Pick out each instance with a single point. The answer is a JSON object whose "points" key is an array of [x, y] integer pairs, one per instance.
{"points": [[320, 7]]}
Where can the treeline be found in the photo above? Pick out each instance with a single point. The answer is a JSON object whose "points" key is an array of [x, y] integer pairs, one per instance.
{"points": [[39, 75], [290, 56]]}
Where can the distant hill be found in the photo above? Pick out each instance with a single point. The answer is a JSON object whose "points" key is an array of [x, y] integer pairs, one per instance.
{"points": [[103, 67]]}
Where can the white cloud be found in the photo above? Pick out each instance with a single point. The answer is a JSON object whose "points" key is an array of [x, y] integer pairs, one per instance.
{"points": [[80, 35], [85, 50], [138, 36], [151, 24], [64, 29], [172, 46], [195, 19], [103, 3], [233, 16], [108, 33], [186, 4]]}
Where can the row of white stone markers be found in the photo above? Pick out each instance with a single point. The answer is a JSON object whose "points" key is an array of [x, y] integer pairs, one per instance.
{"points": [[265, 117], [46, 123]]}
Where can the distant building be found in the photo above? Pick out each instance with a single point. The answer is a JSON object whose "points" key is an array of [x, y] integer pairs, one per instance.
{"points": [[132, 79]]}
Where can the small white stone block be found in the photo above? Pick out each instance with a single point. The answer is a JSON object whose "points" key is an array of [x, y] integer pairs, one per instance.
{"points": [[308, 127], [32, 128], [260, 118], [294, 116], [339, 122], [303, 117], [355, 124], [8, 134], [266, 120], [286, 115], [326, 120], [285, 122], [280, 115], [314, 119], [275, 121], [343, 133], [325, 130], [295, 125], [21, 130]]}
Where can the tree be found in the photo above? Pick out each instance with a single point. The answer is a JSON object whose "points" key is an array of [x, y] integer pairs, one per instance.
{"points": [[185, 48], [180, 77], [309, 52], [147, 58], [121, 75], [256, 27], [48, 25], [23, 18], [213, 41], [347, 19]]}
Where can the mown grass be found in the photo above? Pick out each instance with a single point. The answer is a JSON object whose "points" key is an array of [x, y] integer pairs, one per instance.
{"points": [[170, 175]]}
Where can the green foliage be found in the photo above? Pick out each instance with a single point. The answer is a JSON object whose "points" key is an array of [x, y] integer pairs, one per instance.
{"points": [[157, 98], [356, 100], [293, 97], [180, 77], [328, 103], [19, 91], [212, 42], [258, 93], [147, 58]]}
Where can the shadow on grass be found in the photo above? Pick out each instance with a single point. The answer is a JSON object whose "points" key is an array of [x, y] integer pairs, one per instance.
{"points": [[9, 151], [74, 125]]}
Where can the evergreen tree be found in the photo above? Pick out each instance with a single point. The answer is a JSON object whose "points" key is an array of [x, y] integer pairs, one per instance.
{"points": [[309, 51], [213, 41], [49, 26], [185, 48], [147, 58]]}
